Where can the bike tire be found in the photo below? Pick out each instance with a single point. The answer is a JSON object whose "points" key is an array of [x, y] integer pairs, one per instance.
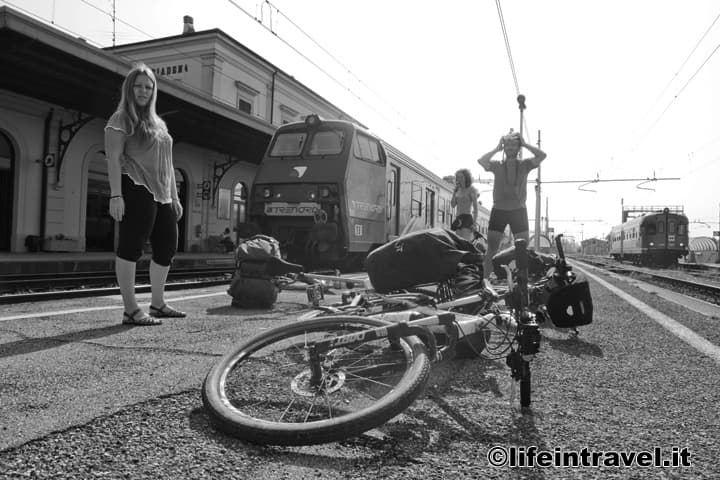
{"points": [[354, 403]]}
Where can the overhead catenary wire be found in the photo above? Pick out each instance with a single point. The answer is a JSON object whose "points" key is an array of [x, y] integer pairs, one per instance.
{"points": [[507, 46], [670, 82], [325, 72], [513, 71], [657, 120], [335, 59]]}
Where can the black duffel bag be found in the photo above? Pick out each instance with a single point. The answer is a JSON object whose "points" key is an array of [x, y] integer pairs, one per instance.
{"points": [[425, 256]]}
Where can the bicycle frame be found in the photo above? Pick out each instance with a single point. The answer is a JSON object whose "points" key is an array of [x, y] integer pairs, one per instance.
{"points": [[427, 321]]}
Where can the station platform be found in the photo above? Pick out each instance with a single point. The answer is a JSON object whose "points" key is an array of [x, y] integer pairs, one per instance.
{"points": [[57, 262]]}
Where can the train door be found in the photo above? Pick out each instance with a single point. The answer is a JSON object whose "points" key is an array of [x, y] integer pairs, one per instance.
{"points": [[99, 225], [7, 163], [429, 208], [393, 204]]}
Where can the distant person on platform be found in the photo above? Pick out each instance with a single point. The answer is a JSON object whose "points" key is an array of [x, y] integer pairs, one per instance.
{"points": [[509, 191], [465, 196], [227, 241], [144, 198]]}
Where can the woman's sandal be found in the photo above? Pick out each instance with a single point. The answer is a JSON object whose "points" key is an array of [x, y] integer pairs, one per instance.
{"points": [[138, 317], [166, 311]]}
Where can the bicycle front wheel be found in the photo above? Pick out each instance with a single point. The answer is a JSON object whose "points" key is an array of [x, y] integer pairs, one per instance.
{"points": [[261, 392]]}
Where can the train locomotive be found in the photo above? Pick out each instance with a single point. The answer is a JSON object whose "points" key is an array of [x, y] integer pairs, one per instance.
{"points": [[655, 238], [330, 192]]}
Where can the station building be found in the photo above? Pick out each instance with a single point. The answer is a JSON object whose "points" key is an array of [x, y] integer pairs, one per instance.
{"points": [[221, 101]]}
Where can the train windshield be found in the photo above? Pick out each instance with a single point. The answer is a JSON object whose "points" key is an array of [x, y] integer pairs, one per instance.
{"points": [[322, 142], [288, 144]]}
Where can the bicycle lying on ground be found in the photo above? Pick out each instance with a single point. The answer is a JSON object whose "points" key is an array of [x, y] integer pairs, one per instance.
{"points": [[336, 375]]}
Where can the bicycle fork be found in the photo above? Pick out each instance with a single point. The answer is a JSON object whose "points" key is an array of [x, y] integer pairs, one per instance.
{"points": [[528, 338]]}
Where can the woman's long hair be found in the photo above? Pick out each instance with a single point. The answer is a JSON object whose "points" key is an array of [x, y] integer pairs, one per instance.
{"points": [[146, 122], [466, 175]]}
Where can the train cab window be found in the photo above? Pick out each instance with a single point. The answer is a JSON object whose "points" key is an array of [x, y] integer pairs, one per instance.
{"points": [[661, 227], [681, 229], [288, 144], [327, 142], [671, 227], [366, 148]]}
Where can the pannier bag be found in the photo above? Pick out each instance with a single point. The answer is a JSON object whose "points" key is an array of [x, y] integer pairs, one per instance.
{"points": [[425, 256], [258, 263], [571, 305]]}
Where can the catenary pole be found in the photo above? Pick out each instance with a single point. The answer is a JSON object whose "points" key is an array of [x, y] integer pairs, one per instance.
{"points": [[538, 206]]}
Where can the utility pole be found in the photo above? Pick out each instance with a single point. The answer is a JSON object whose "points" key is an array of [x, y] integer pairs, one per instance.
{"points": [[538, 206]]}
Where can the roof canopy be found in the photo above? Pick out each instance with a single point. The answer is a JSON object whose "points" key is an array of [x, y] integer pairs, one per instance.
{"points": [[43, 63]]}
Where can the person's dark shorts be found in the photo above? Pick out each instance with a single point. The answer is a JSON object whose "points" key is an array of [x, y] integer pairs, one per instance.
{"points": [[146, 219], [517, 219]]}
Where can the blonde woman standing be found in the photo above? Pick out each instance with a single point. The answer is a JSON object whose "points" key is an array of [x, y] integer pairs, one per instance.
{"points": [[144, 198]]}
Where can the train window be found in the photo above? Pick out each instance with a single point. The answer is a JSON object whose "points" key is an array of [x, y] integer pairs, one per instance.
{"points": [[681, 229], [671, 227], [288, 144], [415, 200], [327, 142], [651, 230], [661, 227], [366, 148]]}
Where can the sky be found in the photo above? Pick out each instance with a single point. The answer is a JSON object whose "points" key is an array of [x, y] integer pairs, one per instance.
{"points": [[618, 89]]}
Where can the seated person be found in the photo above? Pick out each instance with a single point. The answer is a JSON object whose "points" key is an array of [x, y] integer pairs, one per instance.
{"points": [[464, 227], [226, 241]]}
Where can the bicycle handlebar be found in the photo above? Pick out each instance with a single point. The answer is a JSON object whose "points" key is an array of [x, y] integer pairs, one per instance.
{"points": [[558, 244]]}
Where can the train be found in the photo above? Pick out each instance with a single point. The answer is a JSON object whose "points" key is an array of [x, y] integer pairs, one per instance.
{"points": [[330, 192], [654, 238]]}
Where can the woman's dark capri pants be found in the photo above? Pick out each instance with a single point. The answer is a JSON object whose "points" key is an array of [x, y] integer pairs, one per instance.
{"points": [[145, 218], [517, 219]]}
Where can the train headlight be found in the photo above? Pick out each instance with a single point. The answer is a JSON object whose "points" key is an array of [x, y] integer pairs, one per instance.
{"points": [[312, 120], [652, 244], [267, 193], [324, 192], [682, 244], [311, 195]]}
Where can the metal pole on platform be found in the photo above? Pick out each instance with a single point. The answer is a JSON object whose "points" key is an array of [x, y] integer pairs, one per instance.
{"points": [[538, 206]]}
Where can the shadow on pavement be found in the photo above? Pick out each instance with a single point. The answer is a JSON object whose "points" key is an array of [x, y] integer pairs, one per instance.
{"points": [[31, 345]]}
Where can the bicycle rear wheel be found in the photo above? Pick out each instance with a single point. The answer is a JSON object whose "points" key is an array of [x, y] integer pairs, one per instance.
{"points": [[261, 391]]}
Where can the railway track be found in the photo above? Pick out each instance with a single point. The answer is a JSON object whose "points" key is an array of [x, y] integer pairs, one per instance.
{"points": [[20, 288], [703, 287]]}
